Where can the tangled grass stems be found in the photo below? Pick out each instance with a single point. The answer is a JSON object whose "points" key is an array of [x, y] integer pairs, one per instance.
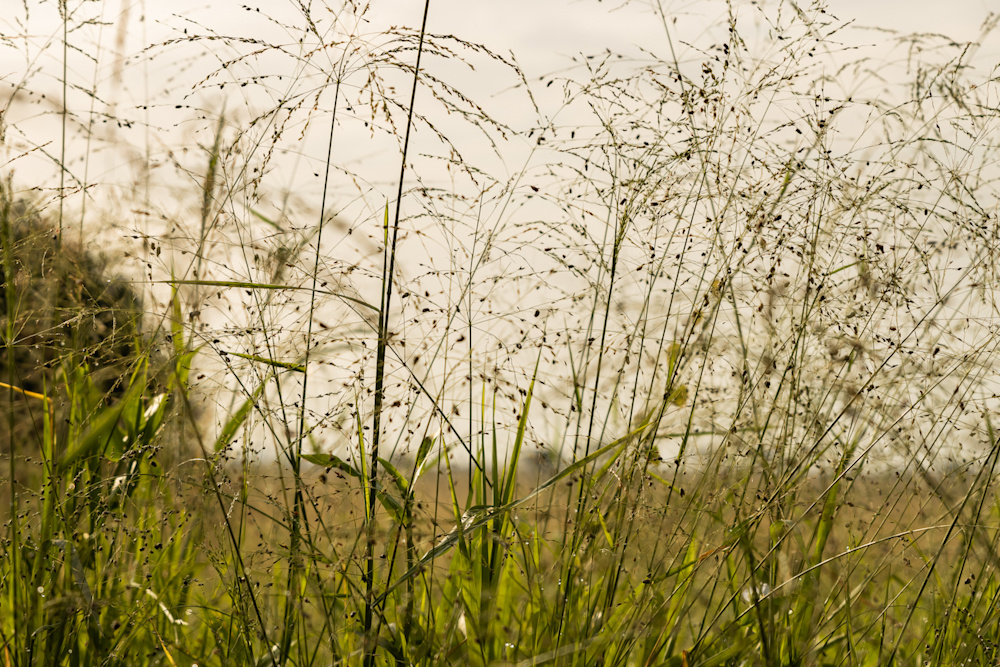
{"points": [[706, 381]]}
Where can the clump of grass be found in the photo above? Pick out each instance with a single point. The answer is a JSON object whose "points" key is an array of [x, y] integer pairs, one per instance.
{"points": [[94, 542], [704, 381], [68, 313]]}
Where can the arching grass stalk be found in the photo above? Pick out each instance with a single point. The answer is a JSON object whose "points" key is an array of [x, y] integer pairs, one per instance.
{"points": [[389, 267]]}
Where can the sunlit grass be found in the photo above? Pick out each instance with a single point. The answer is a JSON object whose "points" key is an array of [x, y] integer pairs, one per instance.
{"points": [[703, 378]]}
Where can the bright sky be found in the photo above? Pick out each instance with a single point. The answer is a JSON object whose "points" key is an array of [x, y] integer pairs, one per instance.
{"points": [[543, 35]]}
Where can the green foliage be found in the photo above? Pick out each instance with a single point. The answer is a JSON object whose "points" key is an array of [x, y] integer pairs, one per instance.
{"points": [[710, 406]]}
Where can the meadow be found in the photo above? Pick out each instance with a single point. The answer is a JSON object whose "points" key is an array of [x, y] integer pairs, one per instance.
{"points": [[312, 358]]}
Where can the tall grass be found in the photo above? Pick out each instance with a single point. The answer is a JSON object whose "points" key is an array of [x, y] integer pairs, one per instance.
{"points": [[693, 368]]}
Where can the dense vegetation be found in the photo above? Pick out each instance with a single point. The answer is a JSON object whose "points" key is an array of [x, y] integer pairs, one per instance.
{"points": [[694, 368]]}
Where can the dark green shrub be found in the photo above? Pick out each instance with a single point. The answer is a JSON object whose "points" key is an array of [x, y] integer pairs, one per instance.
{"points": [[62, 309]]}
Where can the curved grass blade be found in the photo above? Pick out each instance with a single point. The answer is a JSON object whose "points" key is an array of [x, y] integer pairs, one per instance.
{"points": [[265, 286]]}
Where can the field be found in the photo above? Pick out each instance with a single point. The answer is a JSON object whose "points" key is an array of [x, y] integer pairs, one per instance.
{"points": [[312, 357]]}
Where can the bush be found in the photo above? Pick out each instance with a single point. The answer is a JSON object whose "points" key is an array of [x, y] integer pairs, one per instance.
{"points": [[68, 313]]}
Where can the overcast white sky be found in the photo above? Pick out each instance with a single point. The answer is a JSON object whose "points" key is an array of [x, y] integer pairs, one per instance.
{"points": [[542, 34], [542, 30]]}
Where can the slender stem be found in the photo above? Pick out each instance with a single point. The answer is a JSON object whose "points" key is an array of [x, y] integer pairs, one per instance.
{"points": [[65, 105], [383, 343], [7, 235], [298, 511]]}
